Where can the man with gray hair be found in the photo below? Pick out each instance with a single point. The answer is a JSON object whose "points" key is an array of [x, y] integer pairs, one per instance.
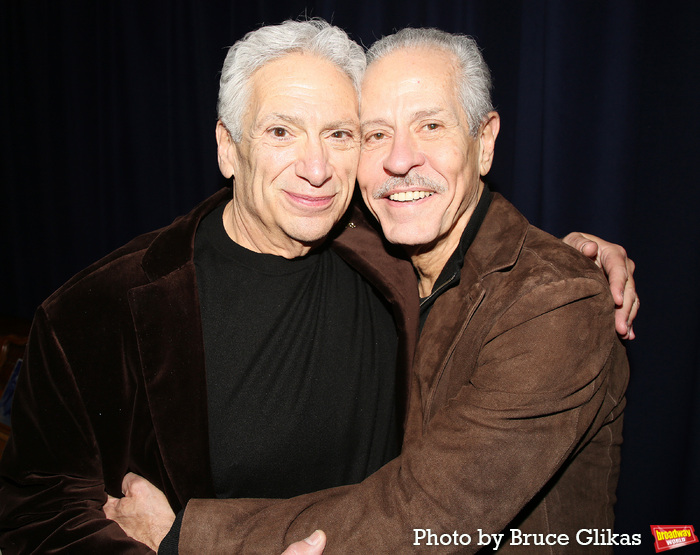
{"points": [[514, 419], [242, 350], [250, 349]]}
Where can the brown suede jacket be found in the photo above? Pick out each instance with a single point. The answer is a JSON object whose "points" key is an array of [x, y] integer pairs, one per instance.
{"points": [[514, 420], [114, 381]]}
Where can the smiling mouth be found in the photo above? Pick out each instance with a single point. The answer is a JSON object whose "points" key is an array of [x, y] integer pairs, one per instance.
{"points": [[311, 201], [410, 196]]}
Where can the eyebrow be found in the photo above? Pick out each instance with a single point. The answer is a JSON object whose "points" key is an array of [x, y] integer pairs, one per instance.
{"points": [[429, 112], [373, 122], [298, 122], [343, 123], [293, 120]]}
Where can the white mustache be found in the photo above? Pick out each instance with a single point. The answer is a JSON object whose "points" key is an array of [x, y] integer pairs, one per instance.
{"points": [[410, 180]]}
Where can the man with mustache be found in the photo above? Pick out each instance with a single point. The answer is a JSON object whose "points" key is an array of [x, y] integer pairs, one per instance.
{"points": [[318, 360], [514, 418]]}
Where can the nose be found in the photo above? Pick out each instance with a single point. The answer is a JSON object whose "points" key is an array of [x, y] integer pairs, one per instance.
{"points": [[313, 164], [404, 155]]}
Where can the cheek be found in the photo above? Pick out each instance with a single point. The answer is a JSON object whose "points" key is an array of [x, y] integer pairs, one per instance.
{"points": [[345, 164], [453, 169], [447, 161], [370, 172], [280, 161], [366, 191], [273, 172], [273, 159], [364, 182]]}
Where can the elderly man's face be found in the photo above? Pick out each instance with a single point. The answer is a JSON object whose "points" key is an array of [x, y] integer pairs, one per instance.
{"points": [[296, 164], [419, 169]]}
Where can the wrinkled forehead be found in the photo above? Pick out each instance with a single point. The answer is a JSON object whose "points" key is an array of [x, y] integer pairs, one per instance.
{"points": [[299, 80], [300, 67], [417, 74]]}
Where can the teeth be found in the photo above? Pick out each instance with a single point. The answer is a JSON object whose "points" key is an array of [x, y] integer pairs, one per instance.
{"points": [[406, 196]]}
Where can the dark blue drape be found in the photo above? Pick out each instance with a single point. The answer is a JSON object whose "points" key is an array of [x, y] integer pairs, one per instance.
{"points": [[108, 112]]}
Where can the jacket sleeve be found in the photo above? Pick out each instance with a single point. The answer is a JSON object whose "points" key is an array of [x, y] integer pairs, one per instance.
{"points": [[51, 480], [537, 385]]}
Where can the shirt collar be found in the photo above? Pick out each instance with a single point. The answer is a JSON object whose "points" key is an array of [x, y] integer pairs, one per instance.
{"points": [[449, 277]]}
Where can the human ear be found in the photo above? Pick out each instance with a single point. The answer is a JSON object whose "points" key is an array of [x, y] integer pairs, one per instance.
{"points": [[487, 141], [226, 150]]}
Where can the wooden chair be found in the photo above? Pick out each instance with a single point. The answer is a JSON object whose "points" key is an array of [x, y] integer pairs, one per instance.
{"points": [[11, 353]]}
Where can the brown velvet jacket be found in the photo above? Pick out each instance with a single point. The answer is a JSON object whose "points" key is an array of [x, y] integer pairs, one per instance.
{"points": [[514, 419], [114, 381]]}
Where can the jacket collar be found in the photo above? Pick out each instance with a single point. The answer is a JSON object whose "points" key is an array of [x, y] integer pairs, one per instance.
{"points": [[498, 243], [450, 275], [173, 246], [496, 247]]}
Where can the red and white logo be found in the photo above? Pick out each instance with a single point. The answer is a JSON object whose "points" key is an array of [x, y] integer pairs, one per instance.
{"points": [[671, 537]]}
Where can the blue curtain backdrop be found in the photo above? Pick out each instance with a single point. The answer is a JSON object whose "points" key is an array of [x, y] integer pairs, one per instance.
{"points": [[108, 112]]}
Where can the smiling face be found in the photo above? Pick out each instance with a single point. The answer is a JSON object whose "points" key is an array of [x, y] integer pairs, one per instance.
{"points": [[420, 169], [295, 165]]}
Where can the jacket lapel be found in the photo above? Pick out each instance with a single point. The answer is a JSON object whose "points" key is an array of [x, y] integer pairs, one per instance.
{"points": [[496, 247], [168, 327], [442, 331]]}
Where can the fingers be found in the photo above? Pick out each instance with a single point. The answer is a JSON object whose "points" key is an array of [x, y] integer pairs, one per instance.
{"points": [[590, 249], [626, 311], [618, 279], [609, 256], [612, 258], [583, 243], [632, 316], [616, 265], [619, 269], [625, 316], [128, 482], [313, 545], [111, 507], [134, 485]]}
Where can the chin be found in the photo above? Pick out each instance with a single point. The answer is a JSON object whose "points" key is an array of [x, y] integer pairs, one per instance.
{"points": [[409, 237], [312, 233]]}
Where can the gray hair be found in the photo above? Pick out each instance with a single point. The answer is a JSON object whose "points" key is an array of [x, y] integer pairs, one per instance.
{"points": [[473, 75], [255, 49]]}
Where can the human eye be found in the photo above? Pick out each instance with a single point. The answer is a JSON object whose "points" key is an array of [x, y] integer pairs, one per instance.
{"points": [[341, 134], [279, 132], [341, 138], [432, 126], [374, 137]]}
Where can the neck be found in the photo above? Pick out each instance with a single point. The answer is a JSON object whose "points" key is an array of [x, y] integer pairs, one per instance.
{"points": [[429, 260], [239, 232]]}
